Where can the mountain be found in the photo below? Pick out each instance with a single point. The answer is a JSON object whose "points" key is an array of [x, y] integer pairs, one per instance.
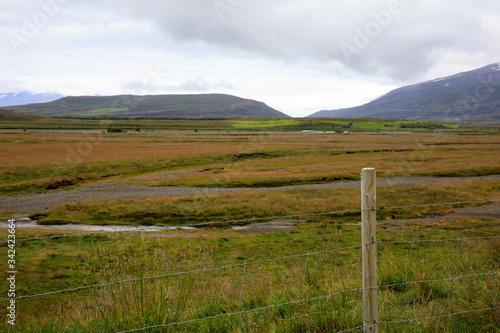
{"points": [[173, 106], [9, 99], [469, 96]]}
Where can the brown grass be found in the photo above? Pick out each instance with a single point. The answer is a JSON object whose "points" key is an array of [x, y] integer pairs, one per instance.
{"points": [[250, 204], [234, 159], [35, 148]]}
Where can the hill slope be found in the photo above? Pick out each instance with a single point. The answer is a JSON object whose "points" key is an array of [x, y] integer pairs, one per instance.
{"points": [[469, 96], [174, 106], [6, 115]]}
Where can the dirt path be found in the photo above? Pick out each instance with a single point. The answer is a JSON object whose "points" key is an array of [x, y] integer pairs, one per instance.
{"points": [[23, 205]]}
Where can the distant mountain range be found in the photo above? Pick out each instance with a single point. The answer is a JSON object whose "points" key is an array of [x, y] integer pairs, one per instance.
{"points": [[173, 106], [9, 99], [470, 96]]}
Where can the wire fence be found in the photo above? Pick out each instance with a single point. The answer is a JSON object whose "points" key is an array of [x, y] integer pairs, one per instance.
{"points": [[250, 220], [406, 288]]}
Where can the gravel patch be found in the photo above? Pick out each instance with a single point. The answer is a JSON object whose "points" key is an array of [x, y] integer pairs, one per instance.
{"points": [[25, 204], [490, 211]]}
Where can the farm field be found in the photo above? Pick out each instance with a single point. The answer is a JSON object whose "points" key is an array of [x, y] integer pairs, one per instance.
{"points": [[248, 276]]}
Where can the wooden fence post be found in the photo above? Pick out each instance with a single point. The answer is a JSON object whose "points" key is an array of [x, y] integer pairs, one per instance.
{"points": [[369, 250]]}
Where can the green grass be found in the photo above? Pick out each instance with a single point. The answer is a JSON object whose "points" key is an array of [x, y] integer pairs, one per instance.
{"points": [[267, 182], [94, 121], [247, 205], [51, 265], [244, 124], [103, 111], [65, 263], [27, 180], [55, 264]]}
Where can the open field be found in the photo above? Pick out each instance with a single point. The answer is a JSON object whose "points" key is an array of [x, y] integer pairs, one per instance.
{"points": [[234, 125], [245, 278], [200, 208], [58, 264], [38, 160]]}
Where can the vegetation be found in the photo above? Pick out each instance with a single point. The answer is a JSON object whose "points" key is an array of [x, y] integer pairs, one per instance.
{"points": [[178, 106], [457, 98], [57, 264], [115, 130], [36, 161], [17, 121], [266, 153], [427, 125], [248, 205]]}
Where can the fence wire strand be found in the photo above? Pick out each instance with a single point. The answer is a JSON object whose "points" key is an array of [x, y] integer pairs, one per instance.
{"points": [[254, 219], [201, 270], [240, 312], [436, 317], [303, 300]]}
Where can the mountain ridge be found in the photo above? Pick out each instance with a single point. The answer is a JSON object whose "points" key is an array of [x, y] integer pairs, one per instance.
{"points": [[196, 106], [467, 96]]}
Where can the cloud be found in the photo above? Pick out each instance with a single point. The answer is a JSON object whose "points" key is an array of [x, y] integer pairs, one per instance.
{"points": [[288, 53], [399, 38], [200, 84], [191, 85]]}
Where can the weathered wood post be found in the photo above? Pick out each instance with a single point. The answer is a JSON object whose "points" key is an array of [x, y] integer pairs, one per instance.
{"points": [[369, 250]]}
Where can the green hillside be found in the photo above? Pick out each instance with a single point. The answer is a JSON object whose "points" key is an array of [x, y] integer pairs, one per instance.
{"points": [[211, 106]]}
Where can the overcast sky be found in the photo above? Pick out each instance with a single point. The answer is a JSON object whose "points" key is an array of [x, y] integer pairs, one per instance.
{"points": [[297, 56]]}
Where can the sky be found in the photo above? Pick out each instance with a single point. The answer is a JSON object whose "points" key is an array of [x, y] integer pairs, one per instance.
{"points": [[297, 56]]}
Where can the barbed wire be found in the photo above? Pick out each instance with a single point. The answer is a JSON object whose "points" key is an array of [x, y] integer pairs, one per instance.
{"points": [[92, 234], [201, 270], [429, 281], [343, 212], [307, 255], [173, 227], [249, 220], [301, 301], [271, 260], [437, 317], [244, 312], [323, 297], [437, 204], [436, 240], [319, 298]]}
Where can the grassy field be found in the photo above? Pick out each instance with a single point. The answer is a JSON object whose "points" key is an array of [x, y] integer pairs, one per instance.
{"points": [[51, 265], [107, 111], [234, 125], [37, 160], [246, 124], [248, 204], [267, 273]]}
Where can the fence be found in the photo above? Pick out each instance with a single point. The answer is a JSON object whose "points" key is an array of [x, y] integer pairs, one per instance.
{"points": [[330, 290]]}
